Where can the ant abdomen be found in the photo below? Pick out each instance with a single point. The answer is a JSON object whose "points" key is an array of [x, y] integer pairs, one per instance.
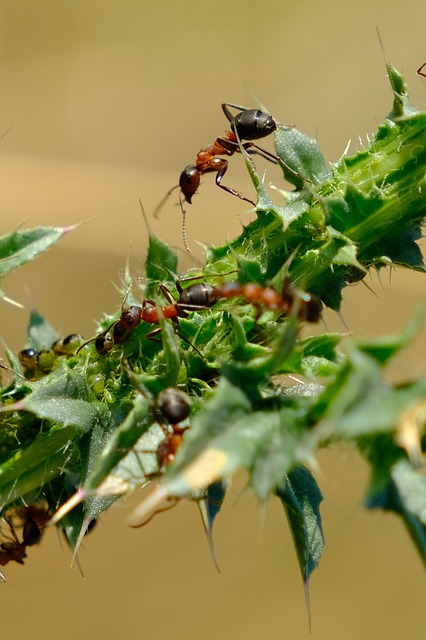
{"points": [[253, 124], [174, 405], [31, 533], [199, 295]]}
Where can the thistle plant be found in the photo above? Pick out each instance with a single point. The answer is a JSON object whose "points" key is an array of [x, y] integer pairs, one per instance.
{"points": [[190, 393]]}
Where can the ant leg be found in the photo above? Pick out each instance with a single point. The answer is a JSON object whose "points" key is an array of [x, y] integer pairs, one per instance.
{"points": [[218, 181], [420, 70], [276, 159], [161, 510], [167, 294], [226, 111], [252, 148], [152, 336]]}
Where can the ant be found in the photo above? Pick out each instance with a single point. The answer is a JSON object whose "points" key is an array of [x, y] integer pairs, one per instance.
{"points": [[420, 70], [12, 549], [173, 405], [33, 519], [201, 296], [194, 298], [305, 306], [249, 124]]}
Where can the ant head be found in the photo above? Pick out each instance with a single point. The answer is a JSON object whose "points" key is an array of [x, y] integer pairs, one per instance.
{"points": [[253, 124], [189, 181]]}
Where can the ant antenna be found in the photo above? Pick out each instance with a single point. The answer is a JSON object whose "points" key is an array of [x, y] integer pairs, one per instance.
{"points": [[184, 237], [162, 202]]}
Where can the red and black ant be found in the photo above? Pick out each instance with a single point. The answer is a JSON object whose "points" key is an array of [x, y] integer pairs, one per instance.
{"points": [[420, 70], [305, 306], [250, 124], [193, 298], [174, 406], [199, 296]]}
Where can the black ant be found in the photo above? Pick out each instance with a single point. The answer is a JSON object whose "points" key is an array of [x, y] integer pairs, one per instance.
{"points": [[420, 70], [250, 124]]}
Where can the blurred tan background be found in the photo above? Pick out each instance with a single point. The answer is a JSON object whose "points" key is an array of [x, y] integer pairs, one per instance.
{"points": [[107, 102]]}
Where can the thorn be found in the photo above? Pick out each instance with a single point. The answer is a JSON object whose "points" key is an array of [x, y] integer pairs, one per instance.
{"points": [[72, 227], [370, 289], [342, 320], [308, 603], [67, 507], [14, 303]]}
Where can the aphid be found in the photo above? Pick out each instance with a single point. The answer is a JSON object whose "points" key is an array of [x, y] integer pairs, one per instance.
{"points": [[43, 361], [28, 359], [67, 346], [46, 360]]}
